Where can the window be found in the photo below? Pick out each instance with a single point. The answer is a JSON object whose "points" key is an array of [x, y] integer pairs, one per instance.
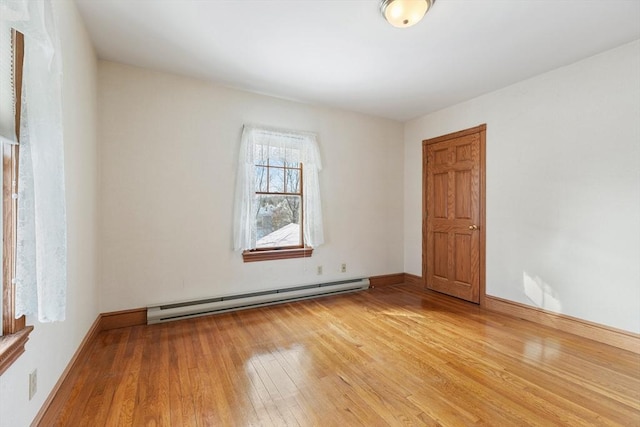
{"points": [[279, 200], [34, 241], [278, 210], [14, 331]]}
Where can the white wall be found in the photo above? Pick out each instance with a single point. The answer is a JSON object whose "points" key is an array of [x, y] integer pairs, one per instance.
{"points": [[168, 153], [563, 187], [51, 346]]}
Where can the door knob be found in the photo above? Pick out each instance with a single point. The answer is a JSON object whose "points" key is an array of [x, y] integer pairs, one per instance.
{"points": [[473, 227]]}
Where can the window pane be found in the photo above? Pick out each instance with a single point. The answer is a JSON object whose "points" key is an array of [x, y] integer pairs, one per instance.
{"points": [[261, 154], [293, 180], [276, 155], [261, 178], [276, 180], [278, 221], [276, 161]]}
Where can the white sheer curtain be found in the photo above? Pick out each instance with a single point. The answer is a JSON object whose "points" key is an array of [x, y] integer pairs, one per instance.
{"points": [[41, 267], [289, 146]]}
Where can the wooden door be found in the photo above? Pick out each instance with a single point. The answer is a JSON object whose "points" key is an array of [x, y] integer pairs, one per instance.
{"points": [[453, 212]]}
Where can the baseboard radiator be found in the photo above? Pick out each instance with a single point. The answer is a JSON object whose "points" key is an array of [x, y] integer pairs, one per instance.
{"points": [[203, 307]]}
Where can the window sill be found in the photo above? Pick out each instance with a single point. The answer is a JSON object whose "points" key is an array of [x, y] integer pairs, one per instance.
{"points": [[12, 346], [270, 255]]}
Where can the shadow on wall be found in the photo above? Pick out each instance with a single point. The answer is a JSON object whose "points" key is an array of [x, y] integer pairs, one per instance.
{"points": [[540, 293]]}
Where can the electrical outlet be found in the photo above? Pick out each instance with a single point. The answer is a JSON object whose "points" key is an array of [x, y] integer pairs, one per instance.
{"points": [[319, 269], [33, 383], [343, 268]]}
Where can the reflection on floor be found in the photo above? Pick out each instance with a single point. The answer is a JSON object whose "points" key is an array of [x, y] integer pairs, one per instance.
{"points": [[393, 355]]}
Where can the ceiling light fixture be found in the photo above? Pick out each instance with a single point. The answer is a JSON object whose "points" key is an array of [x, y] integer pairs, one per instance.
{"points": [[405, 13]]}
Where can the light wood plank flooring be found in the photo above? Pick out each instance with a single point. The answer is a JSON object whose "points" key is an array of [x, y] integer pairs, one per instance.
{"points": [[391, 356]]}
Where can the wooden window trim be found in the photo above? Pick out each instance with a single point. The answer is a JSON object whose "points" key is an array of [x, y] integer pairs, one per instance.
{"points": [[287, 252], [12, 346], [276, 253], [15, 333]]}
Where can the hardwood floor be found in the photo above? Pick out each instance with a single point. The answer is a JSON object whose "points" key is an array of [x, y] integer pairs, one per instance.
{"points": [[393, 355]]}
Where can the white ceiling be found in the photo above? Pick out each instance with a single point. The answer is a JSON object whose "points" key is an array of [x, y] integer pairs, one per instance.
{"points": [[342, 53]]}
